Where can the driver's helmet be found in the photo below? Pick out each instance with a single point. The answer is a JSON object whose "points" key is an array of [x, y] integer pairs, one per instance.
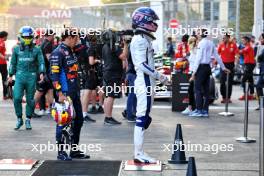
{"points": [[63, 113], [26, 34]]}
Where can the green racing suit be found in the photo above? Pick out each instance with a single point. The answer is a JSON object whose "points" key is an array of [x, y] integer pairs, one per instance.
{"points": [[26, 63]]}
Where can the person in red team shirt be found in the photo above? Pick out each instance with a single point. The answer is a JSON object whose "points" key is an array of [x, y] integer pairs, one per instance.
{"points": [[228, 51], [3, 63], [250, 63], [183, 50], [39, 36]]}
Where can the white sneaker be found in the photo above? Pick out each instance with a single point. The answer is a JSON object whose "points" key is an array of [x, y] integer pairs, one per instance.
{"points": [[187, 111], [139, 155], [47, 111], [41, 113], [196, 113], [144, 158]]}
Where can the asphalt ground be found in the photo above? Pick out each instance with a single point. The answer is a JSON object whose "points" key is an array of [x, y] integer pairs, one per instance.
{"points": [[116, 142]]}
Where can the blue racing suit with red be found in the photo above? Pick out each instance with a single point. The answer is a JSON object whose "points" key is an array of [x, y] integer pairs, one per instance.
{"points": [[64, 76]]}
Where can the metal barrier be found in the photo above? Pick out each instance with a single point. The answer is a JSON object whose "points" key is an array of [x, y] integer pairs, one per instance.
{"points": [[245, 138], [261, 138], [226, 113]]}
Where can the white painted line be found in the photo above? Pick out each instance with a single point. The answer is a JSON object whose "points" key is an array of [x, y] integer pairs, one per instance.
{"points": [[184, 84], [183, 92], [184, 88], [169, 107], [157, 107], [6, 105]]}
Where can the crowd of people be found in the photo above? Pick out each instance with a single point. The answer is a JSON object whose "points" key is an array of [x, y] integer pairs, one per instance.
{"points": [[73, 68], [202, 55], [77, 66]]}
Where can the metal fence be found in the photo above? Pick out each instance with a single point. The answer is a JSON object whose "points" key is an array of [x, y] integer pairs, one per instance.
{"points": [[189, 13]]}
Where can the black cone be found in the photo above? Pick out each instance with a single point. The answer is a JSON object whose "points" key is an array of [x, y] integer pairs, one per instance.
{"points": [[191, 170], [178, 155]]}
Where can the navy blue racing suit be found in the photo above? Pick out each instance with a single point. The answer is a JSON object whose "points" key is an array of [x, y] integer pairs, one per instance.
{"points": [[64, 76]]}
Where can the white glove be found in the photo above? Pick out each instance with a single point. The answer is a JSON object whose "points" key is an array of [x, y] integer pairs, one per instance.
{"points": [[163, 78]]}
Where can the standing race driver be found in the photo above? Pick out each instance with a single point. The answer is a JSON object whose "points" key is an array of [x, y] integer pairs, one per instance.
{"points": [[143, 21], [64, 76], [26, 63]]}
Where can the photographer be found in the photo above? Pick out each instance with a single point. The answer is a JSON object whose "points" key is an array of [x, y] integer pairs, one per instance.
{"points": [[112, 56]]}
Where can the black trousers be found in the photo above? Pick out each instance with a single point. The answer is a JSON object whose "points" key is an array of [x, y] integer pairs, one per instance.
{"points": [[78, 121], [191, 95], [260, 82], [248, 77], [229, 66], [42, 102], [202, 86], [3, 71]]}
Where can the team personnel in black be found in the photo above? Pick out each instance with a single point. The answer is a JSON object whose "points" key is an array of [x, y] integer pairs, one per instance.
{"points": [[45, 89], [93, 75], [112, 56], [99, 70], [81, 51]]}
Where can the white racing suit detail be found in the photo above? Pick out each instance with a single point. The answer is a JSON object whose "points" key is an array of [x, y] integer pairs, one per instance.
{"points": [[142, 57]]}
